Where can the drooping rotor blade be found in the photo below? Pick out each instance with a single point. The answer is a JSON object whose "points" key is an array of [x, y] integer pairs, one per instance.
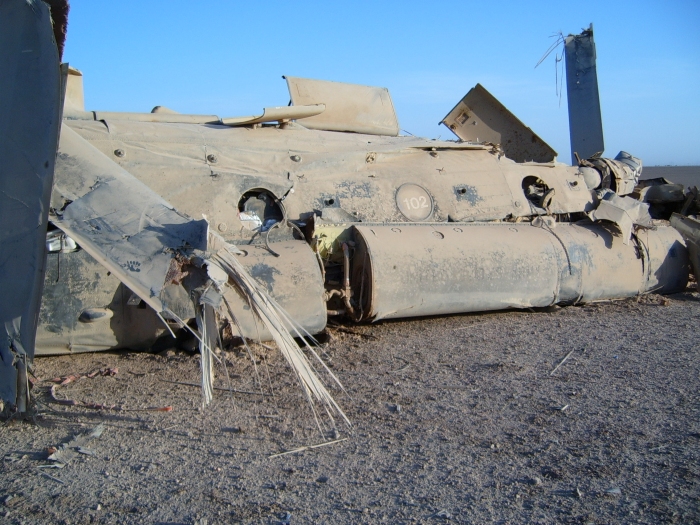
{"points": [[30, 84]]}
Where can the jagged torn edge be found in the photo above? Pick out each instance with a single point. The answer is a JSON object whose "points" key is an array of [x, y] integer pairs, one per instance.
{"points": [[276, 320], [206, 305], [273, 316]]}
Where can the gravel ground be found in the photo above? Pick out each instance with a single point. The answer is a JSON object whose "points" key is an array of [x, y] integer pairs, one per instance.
{"points": [[456, 419]]}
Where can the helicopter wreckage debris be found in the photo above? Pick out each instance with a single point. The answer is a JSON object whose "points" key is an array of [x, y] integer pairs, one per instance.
{"points": [[314, 210]]}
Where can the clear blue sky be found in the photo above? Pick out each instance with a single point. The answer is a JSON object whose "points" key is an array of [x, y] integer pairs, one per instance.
{"points": [[227, 58]]}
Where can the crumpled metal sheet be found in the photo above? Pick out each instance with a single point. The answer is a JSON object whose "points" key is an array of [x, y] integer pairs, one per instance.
{"points": [[30, 85], [120, 221], [626, 212], [659, 190], [621, 173], [76, 446]]}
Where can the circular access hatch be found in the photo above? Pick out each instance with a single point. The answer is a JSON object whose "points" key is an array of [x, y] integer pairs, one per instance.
{"points": [[414, 202]]}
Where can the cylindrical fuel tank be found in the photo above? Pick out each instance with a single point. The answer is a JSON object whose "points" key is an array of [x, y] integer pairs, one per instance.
{"points": [[405, 270]]}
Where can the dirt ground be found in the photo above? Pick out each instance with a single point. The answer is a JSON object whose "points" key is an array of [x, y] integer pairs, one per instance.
{"points": [[454, 420]]}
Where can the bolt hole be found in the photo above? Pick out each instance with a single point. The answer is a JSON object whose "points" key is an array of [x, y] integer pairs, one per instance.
{"points": [[330, 202], [463, 190]]}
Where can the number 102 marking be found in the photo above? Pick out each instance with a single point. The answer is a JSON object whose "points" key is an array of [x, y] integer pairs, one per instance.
{"points": [[416, 203]]}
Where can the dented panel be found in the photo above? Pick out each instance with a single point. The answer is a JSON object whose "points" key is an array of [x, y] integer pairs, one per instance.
{"points": [[358, 173], [410, 271]]}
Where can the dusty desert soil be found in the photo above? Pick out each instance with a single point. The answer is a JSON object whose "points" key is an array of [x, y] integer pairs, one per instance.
{"points": [[455, 420]]}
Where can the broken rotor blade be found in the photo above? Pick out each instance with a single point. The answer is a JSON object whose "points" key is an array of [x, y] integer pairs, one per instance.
{"points": [[29, 125]]}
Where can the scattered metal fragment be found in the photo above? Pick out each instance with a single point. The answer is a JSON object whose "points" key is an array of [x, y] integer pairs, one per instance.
{"points": [[70, 450], [308, 447], [102, 406], [561, 363], [62, 381], [402, 369], [13, 458], [53, 478]]}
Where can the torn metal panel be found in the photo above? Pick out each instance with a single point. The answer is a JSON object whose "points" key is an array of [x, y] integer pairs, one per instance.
{"points": [[119, 221], [408, 271], [277, 114], [349, 107], [626, 212], [689, 228], [659, 191], [146, 243], [480, 117], [585, 121], [76, 283], [29, 125]]}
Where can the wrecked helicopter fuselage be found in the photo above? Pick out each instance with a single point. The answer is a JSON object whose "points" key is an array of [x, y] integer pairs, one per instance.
{"points": [[172, 223], [335, 214]]}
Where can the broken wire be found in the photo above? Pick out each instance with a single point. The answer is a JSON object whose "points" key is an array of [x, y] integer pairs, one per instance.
{"points": [[558, 62]]}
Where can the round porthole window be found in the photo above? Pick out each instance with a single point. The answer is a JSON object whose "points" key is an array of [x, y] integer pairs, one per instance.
{"points": [[414, 202]]}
